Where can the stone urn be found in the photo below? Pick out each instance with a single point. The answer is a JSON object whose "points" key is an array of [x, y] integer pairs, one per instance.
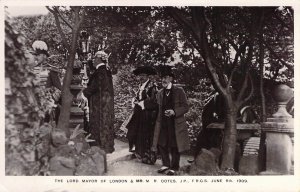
{"points": [[279, 130], [282, 94]]}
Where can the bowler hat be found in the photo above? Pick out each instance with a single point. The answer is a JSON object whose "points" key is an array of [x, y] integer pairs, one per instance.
{"points": [[144, 70]]}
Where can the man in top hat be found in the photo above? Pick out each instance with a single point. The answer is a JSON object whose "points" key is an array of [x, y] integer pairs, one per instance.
{"points": [[141, 125], [100, 95], [171, 134]]}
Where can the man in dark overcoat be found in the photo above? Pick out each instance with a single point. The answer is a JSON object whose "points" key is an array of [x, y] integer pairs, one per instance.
{"points": [[141, 125], [100, 95], [171, 134]]}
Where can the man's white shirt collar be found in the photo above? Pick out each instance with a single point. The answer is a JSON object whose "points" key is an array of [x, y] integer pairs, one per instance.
{"points": [[141, 103], [144, 85], [99, 65]]}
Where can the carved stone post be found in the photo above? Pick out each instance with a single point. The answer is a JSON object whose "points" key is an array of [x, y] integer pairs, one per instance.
{"points": [[279, 129]]}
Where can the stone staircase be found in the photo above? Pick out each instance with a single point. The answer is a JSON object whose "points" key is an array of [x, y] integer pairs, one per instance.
{"points": [[76, 116]]}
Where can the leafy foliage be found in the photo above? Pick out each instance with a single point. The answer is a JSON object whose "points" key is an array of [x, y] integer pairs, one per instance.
{"points": [[44, 29], [25, 107], [125, 86]]}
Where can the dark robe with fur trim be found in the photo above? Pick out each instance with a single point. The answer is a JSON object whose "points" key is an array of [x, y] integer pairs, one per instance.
{"points": [[101, 108], [141, 125]]}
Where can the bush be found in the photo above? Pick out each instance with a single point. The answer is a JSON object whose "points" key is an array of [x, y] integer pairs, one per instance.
{"points": [[25, 107], [197, 98], [124, 87]]}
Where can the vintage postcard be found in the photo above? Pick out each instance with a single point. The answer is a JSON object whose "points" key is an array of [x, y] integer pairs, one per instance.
{"points": [[149, 96]]}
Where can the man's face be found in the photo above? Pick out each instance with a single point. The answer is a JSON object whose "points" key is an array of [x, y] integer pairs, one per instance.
{"points": [[154, 78], [142, 78], [98, 60], [166, 80], [40, 58]]}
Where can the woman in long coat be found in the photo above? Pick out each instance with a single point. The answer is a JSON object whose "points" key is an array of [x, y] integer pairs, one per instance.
{"points": [[141, 124]]}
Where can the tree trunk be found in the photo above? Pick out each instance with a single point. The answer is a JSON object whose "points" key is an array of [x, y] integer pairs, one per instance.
{"points": [[67, 97], [230, 137], [261, 83], [261, 70]]}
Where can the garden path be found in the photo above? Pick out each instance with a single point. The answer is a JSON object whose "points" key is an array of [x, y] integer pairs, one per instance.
{"points": [[120, 163]]}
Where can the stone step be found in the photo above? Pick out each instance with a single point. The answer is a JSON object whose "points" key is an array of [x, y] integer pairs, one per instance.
{"points": [[251, 146], [251, 150], [76, 111], [76, 87], [74, 122], [256, 143]]}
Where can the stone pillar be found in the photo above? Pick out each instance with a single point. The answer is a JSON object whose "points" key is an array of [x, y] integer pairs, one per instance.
{"points": [[279, 129]]}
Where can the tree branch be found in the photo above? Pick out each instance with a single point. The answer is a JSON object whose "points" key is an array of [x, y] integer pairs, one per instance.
{"points": [[185, 23], [290, 67], [207, 57], [195, 14], [60, 16], [63, 37], [210, 67], [175, 13], [251, 89], [240, 50], [202, 42], [230, 78], [233, 44], [253, 31], [243, 89], [83, 15], [291, 28]]}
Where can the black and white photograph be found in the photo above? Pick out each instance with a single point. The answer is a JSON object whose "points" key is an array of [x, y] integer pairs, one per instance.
{"points": [[124, 96]]}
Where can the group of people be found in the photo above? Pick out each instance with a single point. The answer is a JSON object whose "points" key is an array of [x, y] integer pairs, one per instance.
{"points": [[98, 94], [158, 123]]}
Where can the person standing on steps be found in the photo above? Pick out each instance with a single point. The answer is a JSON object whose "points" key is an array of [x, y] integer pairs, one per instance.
{"points": [[141, 125], [100, 95], [171, 134], [47, 77]]}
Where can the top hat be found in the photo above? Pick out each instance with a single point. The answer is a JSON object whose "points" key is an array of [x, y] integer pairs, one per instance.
{"points": [[166, 70], [144, 70]]}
